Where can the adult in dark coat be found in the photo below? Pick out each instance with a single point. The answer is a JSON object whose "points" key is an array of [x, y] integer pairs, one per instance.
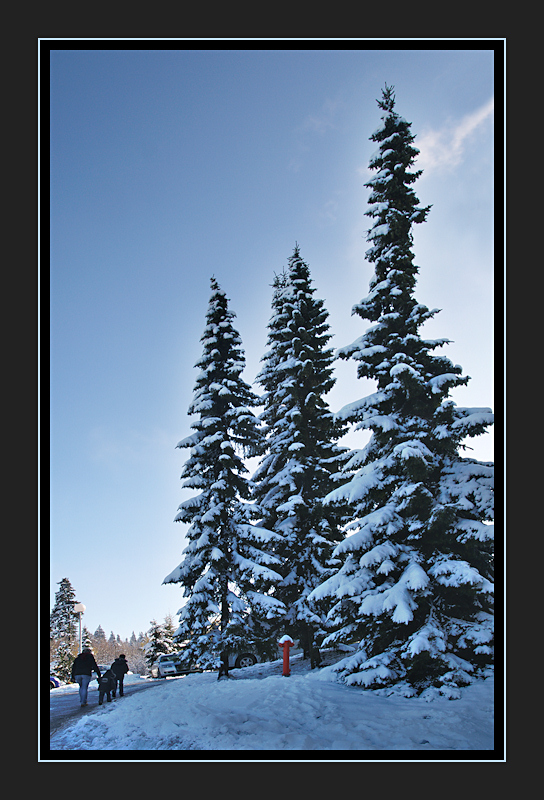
{"points": [[120, 669], [82, 668]]}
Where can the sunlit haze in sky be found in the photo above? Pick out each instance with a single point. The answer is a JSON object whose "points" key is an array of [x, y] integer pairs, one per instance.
{"points": [[169, 166]]}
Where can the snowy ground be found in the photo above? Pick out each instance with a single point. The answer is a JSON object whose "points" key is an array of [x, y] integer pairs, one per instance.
{"points": [[262, 710]]}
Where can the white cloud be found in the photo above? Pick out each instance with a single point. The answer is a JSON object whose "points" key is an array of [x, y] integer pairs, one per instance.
{"points": [[445, 148], [114, 448], [324, 119], [316, 123]]}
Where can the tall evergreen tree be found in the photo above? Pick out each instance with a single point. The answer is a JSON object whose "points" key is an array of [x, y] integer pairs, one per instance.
{"points": [[226, 571], [303, 460], [99, 634], [158, 643], [63, 619], [86, 638], [415, 582], [169, 628], [64, 659]]}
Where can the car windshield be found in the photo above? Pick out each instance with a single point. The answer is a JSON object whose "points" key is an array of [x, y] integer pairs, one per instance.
{"points": [[172, 657]]}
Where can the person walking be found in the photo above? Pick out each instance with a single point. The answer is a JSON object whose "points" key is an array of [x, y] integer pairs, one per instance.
{"points": [[106, 686], [82, 668], [120, 669]]}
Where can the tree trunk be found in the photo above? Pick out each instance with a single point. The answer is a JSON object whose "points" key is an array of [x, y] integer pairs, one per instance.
{"points": [[224, 668], [310, 650]]}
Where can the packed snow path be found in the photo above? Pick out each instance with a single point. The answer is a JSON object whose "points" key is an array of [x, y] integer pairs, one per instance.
{"points": [[262, 710], [64, 707]]}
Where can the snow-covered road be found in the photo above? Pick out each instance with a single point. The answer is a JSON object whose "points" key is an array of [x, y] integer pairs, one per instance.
{"points": [[261, 710]]}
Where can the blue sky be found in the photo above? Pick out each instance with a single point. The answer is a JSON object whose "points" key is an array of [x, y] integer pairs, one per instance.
{"points": [[169, 166]]}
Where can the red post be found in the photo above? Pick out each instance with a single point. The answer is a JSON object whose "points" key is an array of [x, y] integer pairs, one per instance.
{"points": [[286, 642]]}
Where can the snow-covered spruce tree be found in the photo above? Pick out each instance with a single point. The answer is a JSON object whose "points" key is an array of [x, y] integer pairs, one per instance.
{"points": [[63, 661], [99, 635], [228, 570], [303, 460], [415, 583], [169, 628], [86, 638], [157, 644], [63, 619]]}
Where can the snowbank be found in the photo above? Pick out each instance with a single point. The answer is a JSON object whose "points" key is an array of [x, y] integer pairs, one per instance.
{"points": [[73, 688], [262, 710]]}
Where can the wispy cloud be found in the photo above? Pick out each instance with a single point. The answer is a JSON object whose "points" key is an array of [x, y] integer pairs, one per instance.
{"points": [[114, 449], [318, 122], [324, 119], [445, 148]]}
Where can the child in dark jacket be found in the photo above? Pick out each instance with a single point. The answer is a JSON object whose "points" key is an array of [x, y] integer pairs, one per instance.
{"points": [[106, 685]]}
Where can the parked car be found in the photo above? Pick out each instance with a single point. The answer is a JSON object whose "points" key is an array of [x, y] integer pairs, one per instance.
{"points": [[242, 660], [170, 664], [54, 682]]}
